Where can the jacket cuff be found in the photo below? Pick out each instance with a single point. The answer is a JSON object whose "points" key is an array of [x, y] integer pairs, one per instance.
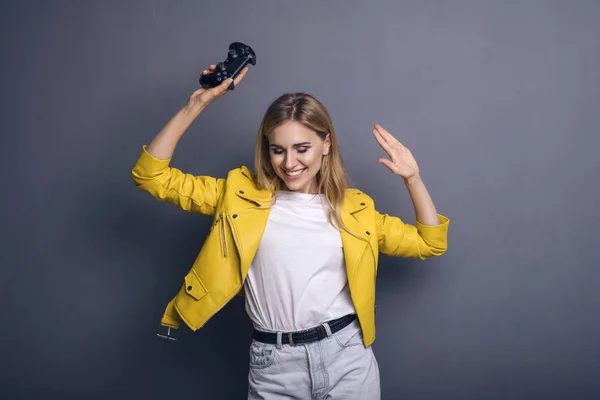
{"points": [[435, 233], [171, 317], [148, 165], [443, 221]]}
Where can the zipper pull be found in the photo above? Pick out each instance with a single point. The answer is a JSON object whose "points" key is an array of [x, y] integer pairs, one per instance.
{"points": [[223, 241]]}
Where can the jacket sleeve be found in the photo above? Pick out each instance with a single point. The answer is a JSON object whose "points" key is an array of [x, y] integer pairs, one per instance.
{"points": [[191, 193], [396, 238]]}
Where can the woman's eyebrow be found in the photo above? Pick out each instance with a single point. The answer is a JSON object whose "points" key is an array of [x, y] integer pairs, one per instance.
{"points": [[294, 145]]}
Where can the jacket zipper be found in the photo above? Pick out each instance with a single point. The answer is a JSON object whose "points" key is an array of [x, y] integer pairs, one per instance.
{"points": [[224, 243], [240, 254], [237, 245]]}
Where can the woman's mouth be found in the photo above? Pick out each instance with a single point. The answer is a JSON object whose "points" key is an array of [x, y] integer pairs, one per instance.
{"points": [[294, 174]]}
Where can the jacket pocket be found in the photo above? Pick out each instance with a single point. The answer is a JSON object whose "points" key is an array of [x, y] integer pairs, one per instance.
{"points": [[194, 286]]}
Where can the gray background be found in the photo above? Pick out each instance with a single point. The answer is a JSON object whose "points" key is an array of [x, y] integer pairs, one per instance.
{"points": [[498, 101]]}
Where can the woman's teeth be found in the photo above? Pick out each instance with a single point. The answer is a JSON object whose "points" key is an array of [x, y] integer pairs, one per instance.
{"points": [[295, 173]]}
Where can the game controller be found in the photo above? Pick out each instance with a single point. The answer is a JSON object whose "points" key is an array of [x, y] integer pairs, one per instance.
{"points": [[238, 57]]}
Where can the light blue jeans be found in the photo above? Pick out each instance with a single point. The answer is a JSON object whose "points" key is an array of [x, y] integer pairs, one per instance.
{"points": [[337, 367]]}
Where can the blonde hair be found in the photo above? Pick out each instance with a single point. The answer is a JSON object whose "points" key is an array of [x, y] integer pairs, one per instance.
{"points": [[332, 178]]}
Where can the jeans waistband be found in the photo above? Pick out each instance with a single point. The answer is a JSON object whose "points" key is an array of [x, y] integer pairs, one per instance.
{"points": [[306, 336]]}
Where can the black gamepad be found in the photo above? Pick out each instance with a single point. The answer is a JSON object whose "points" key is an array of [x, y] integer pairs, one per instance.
{"points": [[238, 57]]}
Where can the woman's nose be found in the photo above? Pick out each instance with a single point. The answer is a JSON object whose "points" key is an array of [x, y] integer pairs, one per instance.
{"points": [[290, 161]]}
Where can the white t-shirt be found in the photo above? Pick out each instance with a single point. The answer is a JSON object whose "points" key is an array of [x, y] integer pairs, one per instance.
{"points": [[297, 279]]}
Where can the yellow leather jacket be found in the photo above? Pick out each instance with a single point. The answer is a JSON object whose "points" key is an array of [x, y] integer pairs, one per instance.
{"points": [[240, 215]]}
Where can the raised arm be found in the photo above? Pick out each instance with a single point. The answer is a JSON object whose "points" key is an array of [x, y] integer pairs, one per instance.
{"points": [[428, 237], [163, 145], [152, 173]]}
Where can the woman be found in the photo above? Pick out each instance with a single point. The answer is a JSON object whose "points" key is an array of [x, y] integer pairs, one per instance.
{"points": [[296, 242]]}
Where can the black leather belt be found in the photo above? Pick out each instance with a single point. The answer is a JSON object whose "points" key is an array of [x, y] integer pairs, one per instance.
{"points": [[307, 336]]}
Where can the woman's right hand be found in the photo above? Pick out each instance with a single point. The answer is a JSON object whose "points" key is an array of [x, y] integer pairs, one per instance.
{"points": [[204, 96]]}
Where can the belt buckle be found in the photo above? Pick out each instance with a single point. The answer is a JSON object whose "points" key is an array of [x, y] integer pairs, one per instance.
{"points": [[291, 341], [166, 332]]}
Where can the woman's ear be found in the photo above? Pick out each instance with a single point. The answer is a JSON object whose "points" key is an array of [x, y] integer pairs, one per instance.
{"points": [[326, 145]]}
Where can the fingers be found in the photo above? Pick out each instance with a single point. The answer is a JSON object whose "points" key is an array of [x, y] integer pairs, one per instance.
{"points": [[211, 68], [383, 142], [236, 81], [389, 143], [222, 87], [240, 76], [386, 135]]}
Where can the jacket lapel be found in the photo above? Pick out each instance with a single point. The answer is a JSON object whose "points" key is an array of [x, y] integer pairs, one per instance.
{"points": [[354, 245], [252, 216], [249, 192]]}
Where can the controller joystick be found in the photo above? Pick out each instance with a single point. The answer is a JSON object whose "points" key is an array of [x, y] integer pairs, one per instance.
{"points": [[238, 56]]}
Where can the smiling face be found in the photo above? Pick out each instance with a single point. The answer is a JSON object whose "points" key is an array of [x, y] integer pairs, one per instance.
{"points": [[296, 154]]}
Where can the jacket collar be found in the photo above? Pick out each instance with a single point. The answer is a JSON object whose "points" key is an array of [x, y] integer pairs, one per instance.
{"points": [[250, 192]]}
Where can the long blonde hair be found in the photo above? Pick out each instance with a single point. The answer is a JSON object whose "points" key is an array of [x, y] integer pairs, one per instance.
{"points": [[332, 178]]}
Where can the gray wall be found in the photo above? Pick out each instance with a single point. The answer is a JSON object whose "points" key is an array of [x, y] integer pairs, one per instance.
{"points": [[498, 100]]}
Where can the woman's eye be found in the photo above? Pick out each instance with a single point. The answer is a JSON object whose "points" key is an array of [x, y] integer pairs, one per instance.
{"points": [[302, 150]]}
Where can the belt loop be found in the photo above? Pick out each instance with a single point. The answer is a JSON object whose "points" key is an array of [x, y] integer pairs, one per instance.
{"points": [[279, 344], [327, 329]]}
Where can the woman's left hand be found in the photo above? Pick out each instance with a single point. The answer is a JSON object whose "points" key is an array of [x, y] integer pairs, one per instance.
{"points": [[402, 161]]}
